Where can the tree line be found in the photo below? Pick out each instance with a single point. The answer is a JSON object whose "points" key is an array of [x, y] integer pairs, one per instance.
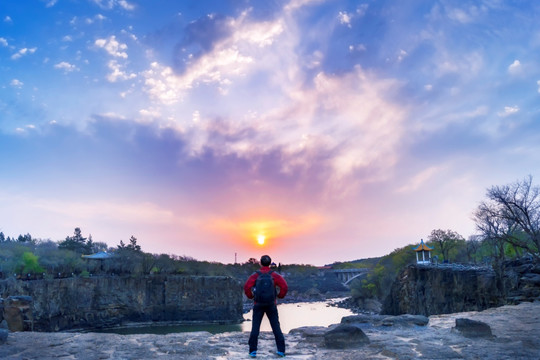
{"points": [[28, 258]]}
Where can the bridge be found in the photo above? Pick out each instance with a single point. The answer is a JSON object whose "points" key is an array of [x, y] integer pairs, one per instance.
{"points": [[348, 275]]}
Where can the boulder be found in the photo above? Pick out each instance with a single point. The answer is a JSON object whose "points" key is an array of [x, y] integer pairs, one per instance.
{"points": [[405, 320], [361, 319], [472, 328], [311, 334], [345, 336]]}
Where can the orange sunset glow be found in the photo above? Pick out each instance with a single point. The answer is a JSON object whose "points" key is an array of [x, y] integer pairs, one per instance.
{"points": [[271, 232]]}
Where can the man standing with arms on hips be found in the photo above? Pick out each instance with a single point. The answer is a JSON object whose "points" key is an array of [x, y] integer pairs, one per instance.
{"points": [[261, 286]]}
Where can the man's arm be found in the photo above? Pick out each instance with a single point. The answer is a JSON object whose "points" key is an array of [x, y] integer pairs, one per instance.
{"points": [[280, 282], [250, 283]]}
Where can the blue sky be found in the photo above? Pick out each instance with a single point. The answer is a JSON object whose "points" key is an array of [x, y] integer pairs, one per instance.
{"points": [[336, 129]]}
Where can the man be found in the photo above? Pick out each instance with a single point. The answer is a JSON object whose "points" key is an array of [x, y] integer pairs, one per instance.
{"points": [[263, 305]]}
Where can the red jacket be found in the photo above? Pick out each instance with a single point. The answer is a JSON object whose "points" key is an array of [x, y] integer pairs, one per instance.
{"points": [[279, 282]]}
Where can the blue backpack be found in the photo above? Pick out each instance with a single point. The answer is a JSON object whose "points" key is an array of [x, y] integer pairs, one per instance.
{"points": [[265, 290]]}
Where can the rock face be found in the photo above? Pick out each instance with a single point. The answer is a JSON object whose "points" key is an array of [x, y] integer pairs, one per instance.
{"points": [[430, 290], [522, 280], [89, 303], [17, 313]]}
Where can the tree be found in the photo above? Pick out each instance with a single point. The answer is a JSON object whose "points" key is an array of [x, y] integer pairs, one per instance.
{"points": [[511, 214], [445, 240], [472, 247], [132, 246], [76, 243], [99, 246], [2, 237], [30, 264], [25, 239]]}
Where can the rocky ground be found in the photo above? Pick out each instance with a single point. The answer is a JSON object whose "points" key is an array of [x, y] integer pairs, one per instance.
{"points": [[515, 330]]}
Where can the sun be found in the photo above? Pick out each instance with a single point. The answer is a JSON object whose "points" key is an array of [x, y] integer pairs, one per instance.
{"points": [[261, 239]]}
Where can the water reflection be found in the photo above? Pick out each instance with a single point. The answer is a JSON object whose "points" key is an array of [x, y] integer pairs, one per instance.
{"points": [[290, 316], [296, 315]]}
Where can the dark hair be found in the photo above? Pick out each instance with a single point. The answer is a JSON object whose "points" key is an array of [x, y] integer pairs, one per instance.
{"points": [[265, 260]]}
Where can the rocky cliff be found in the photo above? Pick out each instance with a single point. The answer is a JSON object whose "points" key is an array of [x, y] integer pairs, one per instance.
{"points": [[89, 303], [429, 290]]}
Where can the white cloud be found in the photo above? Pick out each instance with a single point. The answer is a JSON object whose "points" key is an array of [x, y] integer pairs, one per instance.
{"points": [[51, 3], [260, 34], [464, 15], [344, 18], [67, 67], [297, 118], [117, 73], [16, 83], [25, 129], [125, 5], [111, 4], [296, 4], [230, 58], [3, 42], [112, 46], [362, 9], [8, 20], [538, 83], [359, 47], [148, 115], [508, 110], [468, 64], [515, 67], [89, 20], [22, 52], [402, 54]]}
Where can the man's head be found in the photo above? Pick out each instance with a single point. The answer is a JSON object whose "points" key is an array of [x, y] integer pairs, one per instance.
{"points": [[265, 260]]}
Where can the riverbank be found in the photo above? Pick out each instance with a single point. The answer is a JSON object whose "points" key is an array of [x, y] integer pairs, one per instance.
{"points": [[515, 331]]}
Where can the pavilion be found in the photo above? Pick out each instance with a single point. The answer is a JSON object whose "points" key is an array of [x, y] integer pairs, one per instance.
{"points": [[423, 253]]}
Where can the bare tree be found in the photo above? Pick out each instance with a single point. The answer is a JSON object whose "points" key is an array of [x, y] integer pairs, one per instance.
{"points": [[445, 240], [511, 214], [472, 247]]}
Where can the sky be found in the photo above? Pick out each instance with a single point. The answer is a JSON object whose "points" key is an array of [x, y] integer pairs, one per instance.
{"points": [[329, 130]]}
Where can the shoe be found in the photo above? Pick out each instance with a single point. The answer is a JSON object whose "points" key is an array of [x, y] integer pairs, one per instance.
{"points": [[280, 354], [253, 354]]}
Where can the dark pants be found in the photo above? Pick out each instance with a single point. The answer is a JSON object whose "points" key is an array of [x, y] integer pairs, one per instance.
{"points": [[271, 312]]}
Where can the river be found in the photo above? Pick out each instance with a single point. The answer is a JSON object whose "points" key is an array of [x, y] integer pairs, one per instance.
{"points": [[291, 316]]}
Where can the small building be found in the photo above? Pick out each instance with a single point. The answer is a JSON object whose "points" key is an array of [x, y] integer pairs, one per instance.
{"points": [[100, 256], [423, 253]]}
